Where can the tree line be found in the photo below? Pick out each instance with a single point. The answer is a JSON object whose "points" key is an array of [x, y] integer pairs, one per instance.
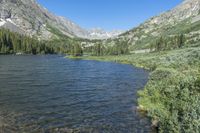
{"points": [[11, 43], [118, 47], [168, 43]]}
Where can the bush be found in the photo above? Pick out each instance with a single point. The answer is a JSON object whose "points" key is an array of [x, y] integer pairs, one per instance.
{"points": [[174, 100]]}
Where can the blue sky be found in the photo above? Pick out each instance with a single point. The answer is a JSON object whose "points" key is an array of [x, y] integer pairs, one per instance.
{"points": [[108, 14]]}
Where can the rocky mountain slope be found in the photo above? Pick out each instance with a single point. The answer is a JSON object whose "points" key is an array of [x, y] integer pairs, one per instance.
{"points": [[28, 17], [98, 33], [185, 18]]}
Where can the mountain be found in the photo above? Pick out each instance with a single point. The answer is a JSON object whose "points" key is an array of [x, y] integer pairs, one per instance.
{"points": [[98, 33], [29, 18], [183, 19], [169, 46]]}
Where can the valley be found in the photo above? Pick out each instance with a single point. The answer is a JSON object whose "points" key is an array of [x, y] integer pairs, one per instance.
{"points": [[167, 45]]}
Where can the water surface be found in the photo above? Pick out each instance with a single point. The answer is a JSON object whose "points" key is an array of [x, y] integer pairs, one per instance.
{"points": [[54, 94]]}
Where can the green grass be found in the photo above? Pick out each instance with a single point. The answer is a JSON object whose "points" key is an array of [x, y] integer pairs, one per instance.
{"points": [[172, 94]]}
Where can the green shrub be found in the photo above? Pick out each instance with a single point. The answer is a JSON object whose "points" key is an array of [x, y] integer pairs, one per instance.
{"points": [[174, 100]]}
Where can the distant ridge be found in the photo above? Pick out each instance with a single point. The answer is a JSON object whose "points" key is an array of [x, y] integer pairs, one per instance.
{"points": [[30, 18]]}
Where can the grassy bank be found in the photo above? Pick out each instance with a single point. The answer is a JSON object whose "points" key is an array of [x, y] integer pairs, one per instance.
{"points": [[172, 95]]}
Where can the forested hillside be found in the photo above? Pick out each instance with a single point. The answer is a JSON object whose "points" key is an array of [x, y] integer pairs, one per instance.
{"points": [[11, 43]]}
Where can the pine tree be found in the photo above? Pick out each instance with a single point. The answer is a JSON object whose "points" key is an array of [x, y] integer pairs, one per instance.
{"points": [[181, 41]]}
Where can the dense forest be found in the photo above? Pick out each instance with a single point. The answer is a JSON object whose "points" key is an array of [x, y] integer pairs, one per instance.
{"points": [[12, 43], [168, 43], [100, 48]]}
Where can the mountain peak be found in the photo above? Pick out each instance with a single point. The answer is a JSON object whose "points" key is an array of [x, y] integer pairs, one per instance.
{"points": [[164, 24], [30, 18], [100, 33]]}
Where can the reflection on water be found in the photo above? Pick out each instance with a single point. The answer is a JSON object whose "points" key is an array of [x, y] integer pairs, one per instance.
{"points": [[53, 94]]}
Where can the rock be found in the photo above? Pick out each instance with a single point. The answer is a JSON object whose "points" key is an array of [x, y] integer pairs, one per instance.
{"points": [[152, 28], [155, 124], [28, 17], [141, 108]]}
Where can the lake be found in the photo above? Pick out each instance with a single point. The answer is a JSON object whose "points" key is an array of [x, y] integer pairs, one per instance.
{"points": [[52, 94]]}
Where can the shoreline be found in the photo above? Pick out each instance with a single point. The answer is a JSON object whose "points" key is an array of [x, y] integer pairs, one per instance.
{"points": [[119, 110], [170, 72], [139, 108], [103, 59]]}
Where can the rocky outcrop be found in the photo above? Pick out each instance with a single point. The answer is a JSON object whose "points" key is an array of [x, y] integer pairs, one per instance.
{"points": [[28, 17], [187, 12]]}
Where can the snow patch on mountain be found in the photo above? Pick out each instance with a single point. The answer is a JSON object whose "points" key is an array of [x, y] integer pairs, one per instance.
{"points": [[2, 22], [98, 33]]}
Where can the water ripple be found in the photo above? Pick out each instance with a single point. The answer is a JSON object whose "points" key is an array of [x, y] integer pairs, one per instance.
{"points": [[50, 94]]}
